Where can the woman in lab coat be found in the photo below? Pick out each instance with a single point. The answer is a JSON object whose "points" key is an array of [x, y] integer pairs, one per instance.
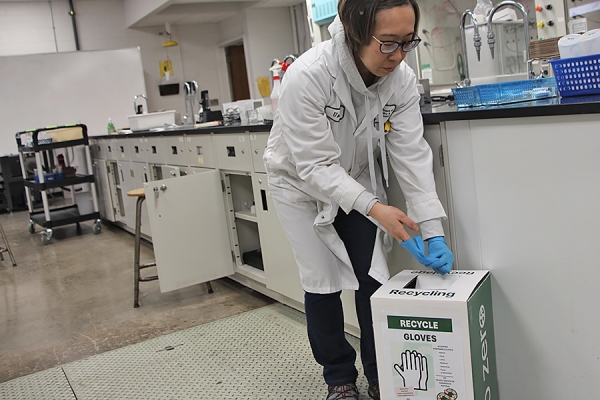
{"points": [[345, 105]]}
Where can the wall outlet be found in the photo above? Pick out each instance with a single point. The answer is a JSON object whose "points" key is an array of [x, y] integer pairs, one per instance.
{"points": [[214, 102]]}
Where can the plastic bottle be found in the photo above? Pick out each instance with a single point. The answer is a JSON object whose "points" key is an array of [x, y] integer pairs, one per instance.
{"points": [[482, 9], [111, 127], [276, 88]]}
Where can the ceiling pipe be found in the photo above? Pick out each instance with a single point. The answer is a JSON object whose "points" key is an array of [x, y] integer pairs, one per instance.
{"points": [[72, 14]]}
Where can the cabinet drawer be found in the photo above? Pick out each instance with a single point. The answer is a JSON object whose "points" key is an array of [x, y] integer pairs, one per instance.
{"points": [[258, 142], [153, 150], [233, 152], [174, 150], [122, 149], [137, 149], [110, 149], [96, 150], [200, 152]]}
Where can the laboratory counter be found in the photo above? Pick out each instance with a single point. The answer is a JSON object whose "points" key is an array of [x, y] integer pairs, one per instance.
{"points": [[433, 113]]}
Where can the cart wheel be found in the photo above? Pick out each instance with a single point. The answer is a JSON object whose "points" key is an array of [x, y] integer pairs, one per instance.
{"points": [[46, 236], [31, 227], [97, 226]]}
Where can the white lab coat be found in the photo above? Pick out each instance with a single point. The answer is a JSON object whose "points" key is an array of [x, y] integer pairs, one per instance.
{"points": [[319, 158]]}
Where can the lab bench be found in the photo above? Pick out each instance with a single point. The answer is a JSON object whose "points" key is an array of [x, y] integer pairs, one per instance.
{"points": [[523, 192]]}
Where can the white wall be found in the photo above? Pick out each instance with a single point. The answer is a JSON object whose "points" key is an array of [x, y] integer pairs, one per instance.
{"points": [[27, 28], [277, 33]]}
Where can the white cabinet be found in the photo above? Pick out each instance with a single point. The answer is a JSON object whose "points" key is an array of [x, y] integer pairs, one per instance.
{"points": [[525, 198], [243, 225], [174, 150], [200, 151], [281, 271], [137, 149], [127, 184], [233, 152], [258, 143], [153, 149], [106, 200], [190, 234]]}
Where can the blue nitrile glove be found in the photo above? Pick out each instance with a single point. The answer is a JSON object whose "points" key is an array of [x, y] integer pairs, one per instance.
{"points": [[416, 248], [443, 257]]}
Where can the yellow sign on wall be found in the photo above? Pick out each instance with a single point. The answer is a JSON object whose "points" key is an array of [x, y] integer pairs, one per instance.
{"points": [[166, 67], [264, 86]]}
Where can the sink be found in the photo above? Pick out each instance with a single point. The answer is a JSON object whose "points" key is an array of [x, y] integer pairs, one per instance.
{"points": [[144, 122]]}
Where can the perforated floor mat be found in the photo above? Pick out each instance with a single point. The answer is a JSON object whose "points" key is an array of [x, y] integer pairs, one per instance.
{"points": [[260, 354]]}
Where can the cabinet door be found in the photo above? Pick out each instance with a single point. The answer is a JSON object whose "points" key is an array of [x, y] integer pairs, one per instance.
{"points": [[258, 142], [233, 152], [127, 184], [189, 230], [107, 210], [281, 271]]}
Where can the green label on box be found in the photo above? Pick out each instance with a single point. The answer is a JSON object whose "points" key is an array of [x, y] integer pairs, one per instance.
{"points": [[420, 324], [481, 333]]}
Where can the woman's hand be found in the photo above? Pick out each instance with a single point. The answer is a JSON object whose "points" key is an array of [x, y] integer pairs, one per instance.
{"points": [[393, 220]]}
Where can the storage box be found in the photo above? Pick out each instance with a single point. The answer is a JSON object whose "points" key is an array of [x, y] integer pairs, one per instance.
{"points": [[434, 336], [143, 122]]}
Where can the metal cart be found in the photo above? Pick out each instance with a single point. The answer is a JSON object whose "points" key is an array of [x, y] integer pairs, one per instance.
{"points": [[41, 143]]}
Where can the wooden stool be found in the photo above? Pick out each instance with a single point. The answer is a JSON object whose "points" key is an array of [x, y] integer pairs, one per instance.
{"points": [[6, 249], [137, 278]]}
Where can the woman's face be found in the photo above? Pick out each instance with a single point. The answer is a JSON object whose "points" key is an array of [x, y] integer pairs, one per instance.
{"points": [[394, 24]]}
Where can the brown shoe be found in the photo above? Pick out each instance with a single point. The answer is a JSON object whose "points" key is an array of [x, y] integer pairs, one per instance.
{"points": [[342, 392]]}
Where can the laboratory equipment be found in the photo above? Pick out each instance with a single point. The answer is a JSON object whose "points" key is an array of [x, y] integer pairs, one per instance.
{"points": [[190, 88], [138, 108], [492, 37], [476, 43]]}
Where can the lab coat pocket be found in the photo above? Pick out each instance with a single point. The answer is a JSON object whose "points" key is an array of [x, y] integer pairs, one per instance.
{"points": [[294, 195]]}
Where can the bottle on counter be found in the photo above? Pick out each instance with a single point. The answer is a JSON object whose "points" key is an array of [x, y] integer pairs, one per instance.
{"points": [[276, 88], [111, 127]]}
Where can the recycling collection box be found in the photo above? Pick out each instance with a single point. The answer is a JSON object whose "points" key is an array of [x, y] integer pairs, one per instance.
{"points": [[434, 336]]}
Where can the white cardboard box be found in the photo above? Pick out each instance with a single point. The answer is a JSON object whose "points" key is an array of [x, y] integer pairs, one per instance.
{"points": [[434, 336]]}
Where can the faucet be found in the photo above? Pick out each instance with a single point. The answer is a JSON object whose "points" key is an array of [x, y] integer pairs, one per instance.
{"points": [[191, 88], [135, 107], [476, 42], [492, 37]]}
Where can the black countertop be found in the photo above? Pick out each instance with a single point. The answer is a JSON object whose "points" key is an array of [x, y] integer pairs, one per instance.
{"points": [[441, 112], [432, 114]]}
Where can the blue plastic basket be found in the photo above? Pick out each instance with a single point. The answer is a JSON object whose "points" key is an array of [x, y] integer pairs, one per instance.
{"points": [[505, 92], [578, 75]]}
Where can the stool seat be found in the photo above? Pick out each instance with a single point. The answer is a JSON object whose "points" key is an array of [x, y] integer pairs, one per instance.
{"points": [[136, 193]]}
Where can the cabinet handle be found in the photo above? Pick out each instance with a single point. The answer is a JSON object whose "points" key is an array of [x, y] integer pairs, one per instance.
{"points": [[255, 151], [263, 198], [163, 188]]}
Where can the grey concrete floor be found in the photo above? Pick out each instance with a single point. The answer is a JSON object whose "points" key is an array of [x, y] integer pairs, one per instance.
{"points": [[73, 298]]}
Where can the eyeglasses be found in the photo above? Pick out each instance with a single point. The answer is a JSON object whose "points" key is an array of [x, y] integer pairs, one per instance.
{"points": [[388, 47]]}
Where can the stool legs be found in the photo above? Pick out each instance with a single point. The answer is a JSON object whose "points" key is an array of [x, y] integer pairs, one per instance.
{"points": [[136, 256], [7, 249], [137, 278]]}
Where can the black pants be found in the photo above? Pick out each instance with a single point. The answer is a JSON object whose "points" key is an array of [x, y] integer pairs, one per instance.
{"points": [[324, 315]]}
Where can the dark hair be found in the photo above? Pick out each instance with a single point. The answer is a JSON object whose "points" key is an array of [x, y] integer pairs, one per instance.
{"points": [[358, 18]]}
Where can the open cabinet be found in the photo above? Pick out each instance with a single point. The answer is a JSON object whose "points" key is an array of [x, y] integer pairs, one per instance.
{"points": [[189, 229]]}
